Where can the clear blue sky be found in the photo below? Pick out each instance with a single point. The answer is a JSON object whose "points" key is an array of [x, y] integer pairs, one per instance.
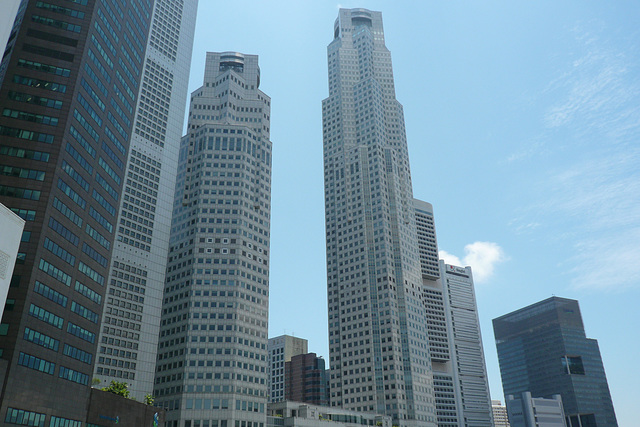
{"points": [[523, 122]]}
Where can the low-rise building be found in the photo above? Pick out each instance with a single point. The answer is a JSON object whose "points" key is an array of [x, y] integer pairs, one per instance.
{"points": [[527, 411], [296, 414]]}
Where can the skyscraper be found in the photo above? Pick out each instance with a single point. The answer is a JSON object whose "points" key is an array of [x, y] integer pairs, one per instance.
{"points": [[543, 349], [70, 77], [128, 340], [455, 343], [377, 336], [212, 353], [280, 351]]}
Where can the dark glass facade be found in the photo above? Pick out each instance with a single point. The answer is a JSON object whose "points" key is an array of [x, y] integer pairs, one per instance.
{"points": [[69, 81], [543, 349]]}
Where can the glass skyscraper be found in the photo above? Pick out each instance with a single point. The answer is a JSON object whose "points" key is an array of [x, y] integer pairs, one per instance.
{"points": [[70, 78], [212, 353], [543, 349], [379, 356]]}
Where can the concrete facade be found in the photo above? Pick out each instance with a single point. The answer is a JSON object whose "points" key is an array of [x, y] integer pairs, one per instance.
{"points": [[455, 342], [212, 352], [377, 337], [280, 351], [500, 418], [295, 414], [527, 411], [138, 265]]}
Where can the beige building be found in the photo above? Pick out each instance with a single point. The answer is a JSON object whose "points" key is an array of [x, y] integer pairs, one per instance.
{"points": [[280, 350], [500, 418]]}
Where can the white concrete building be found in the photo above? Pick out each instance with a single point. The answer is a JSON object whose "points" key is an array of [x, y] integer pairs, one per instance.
{"points": [[280, 350], [296, 414], [527, 411], [377, 336], [212, 354], [128, 340], [455, 343], [11, 226]]}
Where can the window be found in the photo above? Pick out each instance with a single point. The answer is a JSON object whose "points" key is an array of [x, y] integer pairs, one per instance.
{"points": [[24, 418], [573, 365]]}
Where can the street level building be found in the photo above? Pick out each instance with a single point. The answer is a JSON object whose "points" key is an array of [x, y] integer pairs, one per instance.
{"points": [[69, 80], [280, 351], [527, 411], [379, 356], [296, 414], [212, 352], [138, 264], [543, 350]]}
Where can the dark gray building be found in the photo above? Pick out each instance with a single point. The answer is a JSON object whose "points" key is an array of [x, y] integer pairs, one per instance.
{"points": [[306, 380], [543, 349], [69, 82]]}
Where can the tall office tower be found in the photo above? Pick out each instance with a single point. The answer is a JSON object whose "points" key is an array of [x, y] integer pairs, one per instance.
{"points": [[280, 350], [500, 418], [377, 337], [70, 78], [543, 349], [465, 345], [306, 379], [453, 329], [131, 317], [212, 354]]}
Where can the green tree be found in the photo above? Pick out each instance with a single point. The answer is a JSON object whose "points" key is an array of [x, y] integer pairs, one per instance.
{"points": [[148, 399], [119, 388]]}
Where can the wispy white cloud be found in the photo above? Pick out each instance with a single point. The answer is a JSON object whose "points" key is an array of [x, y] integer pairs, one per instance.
{"points": [[593, 197], [482, 257]]}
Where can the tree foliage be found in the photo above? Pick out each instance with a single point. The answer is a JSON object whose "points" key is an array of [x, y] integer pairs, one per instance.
{"points": [[119, 388]]}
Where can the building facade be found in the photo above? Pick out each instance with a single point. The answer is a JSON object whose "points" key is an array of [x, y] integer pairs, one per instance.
{"points": [[453, 328], [543, 350], [212, 352], [280, 351], [296, 414], [11, 226], [70, 77], [527, 411], [306, 380], [500, 417], [8, 16], [377, 337], [131, 317]]}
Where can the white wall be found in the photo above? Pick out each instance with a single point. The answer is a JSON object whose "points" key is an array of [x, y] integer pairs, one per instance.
{"points": [[11, 226]]}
